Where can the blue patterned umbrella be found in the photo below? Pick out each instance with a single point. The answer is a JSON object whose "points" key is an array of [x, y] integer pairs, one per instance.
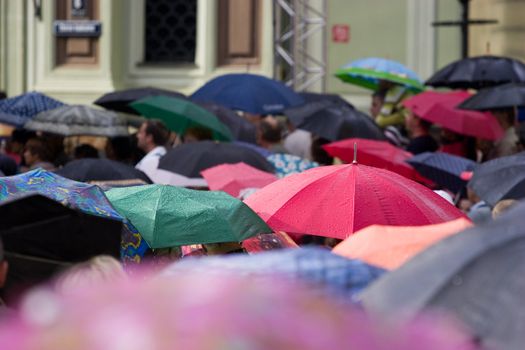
{"points": [[324, 270], [16, 111], [89, 199], [287, 164], [442, 168]]}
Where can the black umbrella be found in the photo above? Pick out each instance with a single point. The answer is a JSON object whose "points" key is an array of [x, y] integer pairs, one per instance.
{"points": [[314, 97], [500, 178], [475, 275], [334, 121], [119, 100], [90, 170], [41, 236], [241, 129], [191, 158], [479, 72], [497, 97], [442, 168]]}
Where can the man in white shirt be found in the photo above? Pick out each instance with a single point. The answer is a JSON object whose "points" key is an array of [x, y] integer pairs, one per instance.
{"points": [[152, 138]]}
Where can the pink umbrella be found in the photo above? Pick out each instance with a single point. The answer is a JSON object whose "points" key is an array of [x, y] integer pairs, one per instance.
{"points": [[232, 178], [335, 201], [379, 154], [440, 108]]}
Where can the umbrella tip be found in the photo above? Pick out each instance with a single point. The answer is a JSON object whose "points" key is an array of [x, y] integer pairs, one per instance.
{"points": [[355, 153]]}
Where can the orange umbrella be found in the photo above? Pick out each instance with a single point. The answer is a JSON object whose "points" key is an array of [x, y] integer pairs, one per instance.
{"points": [[390, 246]]}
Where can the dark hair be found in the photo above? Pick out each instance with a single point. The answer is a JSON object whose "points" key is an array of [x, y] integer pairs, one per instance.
{"points": [[269, 132], [425, 124], [319, 155], [2, 257], [379, 94], [2, 96], [37, 147], [85, 151], [200, 133], [121, 148], [158, 130], [22, 135]]}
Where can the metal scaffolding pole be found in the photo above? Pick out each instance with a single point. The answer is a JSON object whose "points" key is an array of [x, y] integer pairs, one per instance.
{"points": [[300, 43]]}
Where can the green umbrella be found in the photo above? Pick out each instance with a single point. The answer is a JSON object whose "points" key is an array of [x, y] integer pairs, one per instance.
{"points": [[169, 216], [179, 115]]}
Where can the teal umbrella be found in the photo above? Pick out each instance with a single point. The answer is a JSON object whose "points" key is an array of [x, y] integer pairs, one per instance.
{"points": [[169, 216], [179, 115]]}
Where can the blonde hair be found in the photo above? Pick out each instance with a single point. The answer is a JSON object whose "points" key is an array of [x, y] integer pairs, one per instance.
{"points": [[99, 269], [503, 206]]}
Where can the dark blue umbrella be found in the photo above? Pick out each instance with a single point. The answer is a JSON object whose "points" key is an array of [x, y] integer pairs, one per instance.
{"points": [[442, 168], [16, 111], [324, 270], [249, 93]]}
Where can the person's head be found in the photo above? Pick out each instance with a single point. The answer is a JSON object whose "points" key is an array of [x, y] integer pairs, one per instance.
{"points": [[506, 117], [415, 125], [152, 133], [3, 265], [195, 134], [447, 136], [18, 140], [36, 151], [119, 148], [378, 98], [502, 206], [97, 270], [319, 155], [269, 133], [85, 151], [3, 95]]}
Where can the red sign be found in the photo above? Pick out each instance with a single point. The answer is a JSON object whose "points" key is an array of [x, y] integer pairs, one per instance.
{"points": [[340, 33]]}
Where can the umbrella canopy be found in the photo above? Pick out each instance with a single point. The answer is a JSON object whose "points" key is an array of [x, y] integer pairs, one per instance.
{"points": [[41, 237], [441, 108], [232, 178], [316, 97], [79, 120], [249, 93], [391, 246], [179, 115], [288, 164], [192, 158], [496, 97], [442, 168], [324, 270], [169, 216], [475, 275], [367, 72], [379, 154], [335, 201], [119, 100], [241, 129], [478, 72], [500, 178], [333, 120], [16, 111], [90, 169]]}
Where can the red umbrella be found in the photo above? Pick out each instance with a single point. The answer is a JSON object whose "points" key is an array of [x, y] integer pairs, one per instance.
{"points": [[232, 178], [335, 201], [379, 154], [440, 108]]}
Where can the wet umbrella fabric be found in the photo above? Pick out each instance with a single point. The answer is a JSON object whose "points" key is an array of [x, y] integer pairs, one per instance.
{"points": [[16, 111], [79, 120], [335, 201], [119, 100], [391, 246], [41, 236], [478, 72], [379, 154], [169, 216], [475, 275], [441, 108], [442, 168], [333, 121], [192, 158], [316, 97], [179, 115], [241, 129], [249, 93], [497, 97], [500, 178], [367, 72], [323, 270], [232, 178], [90, 169]]}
